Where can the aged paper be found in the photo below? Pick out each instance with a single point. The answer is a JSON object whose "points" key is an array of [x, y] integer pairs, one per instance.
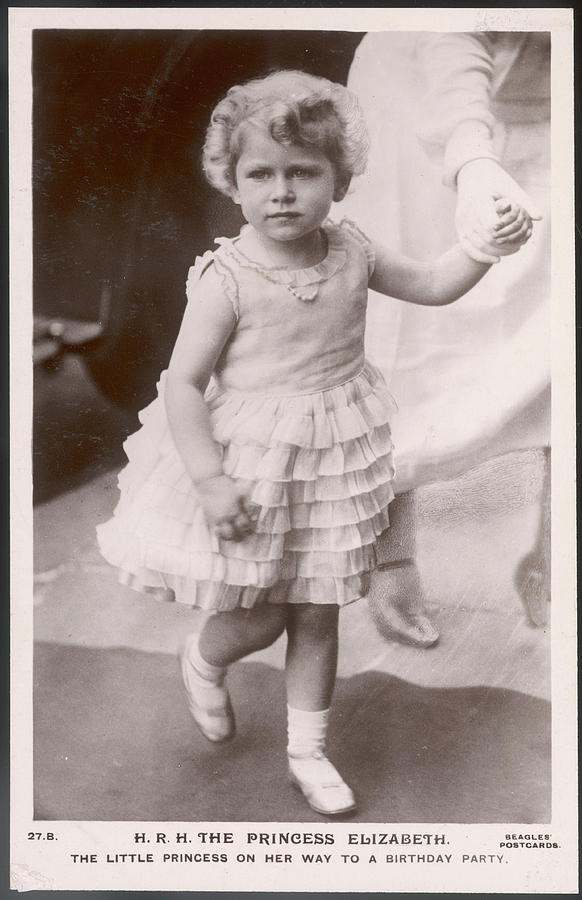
{"points": [[470, 848]]}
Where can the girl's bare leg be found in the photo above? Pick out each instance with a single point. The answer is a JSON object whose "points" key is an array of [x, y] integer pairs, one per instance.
{"points": [[229, 636], [226, 637], [310, 669], [311, 655]]}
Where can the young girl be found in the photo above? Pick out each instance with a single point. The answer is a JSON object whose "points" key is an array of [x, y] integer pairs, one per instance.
{"points": [[262, 475]]}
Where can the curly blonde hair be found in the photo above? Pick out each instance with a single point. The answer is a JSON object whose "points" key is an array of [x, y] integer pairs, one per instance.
{"points": [[294, 108]]}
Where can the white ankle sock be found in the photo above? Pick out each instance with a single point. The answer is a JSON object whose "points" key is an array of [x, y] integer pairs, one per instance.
{"points": [[206, 670], [306, 731]]}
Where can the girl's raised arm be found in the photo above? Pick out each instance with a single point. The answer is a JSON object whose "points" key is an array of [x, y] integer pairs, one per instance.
{"points": [[433, 283], [207, 324]]}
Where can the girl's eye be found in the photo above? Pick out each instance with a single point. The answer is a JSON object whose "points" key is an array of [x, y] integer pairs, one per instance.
{"points": [[302, 173], [258, 174]]}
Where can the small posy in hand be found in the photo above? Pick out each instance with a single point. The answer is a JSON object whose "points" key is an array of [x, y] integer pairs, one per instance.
{"points": [[515, 224], [228, 508]]}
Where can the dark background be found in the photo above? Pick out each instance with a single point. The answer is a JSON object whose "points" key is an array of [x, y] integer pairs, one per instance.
{"points": [[120, 204]]}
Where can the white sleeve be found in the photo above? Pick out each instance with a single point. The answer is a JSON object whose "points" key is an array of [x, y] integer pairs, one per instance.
{"points": [[455, 113]]}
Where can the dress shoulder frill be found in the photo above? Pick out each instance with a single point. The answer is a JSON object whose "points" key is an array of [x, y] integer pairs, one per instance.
{"points": [[223, 269], [363, 240], [319, 468]]}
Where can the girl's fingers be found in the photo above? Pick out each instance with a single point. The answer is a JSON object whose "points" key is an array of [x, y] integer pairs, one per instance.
{"points": [[252, 510], [499, 248], [243, 525], [514, 233], [514, 212], [236, 528], [225, 530], [511, 229], [249, 513], [520, 236], [238, 520], [502, 205], [517, 235]]}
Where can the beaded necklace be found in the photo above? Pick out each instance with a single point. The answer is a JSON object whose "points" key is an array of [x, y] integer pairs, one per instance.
{"points": [[303, 283], [305, 293]]}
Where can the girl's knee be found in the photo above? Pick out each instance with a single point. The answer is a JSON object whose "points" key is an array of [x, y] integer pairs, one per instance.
{"points": [[276, 617]]}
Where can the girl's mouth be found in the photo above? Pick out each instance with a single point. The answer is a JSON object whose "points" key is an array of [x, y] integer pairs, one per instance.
{"points": [[284, 215]]}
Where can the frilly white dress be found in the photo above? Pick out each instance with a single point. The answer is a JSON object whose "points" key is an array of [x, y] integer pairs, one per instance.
{"points": [[309, 436]]}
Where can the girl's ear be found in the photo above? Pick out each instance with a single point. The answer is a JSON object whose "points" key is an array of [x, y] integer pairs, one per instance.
{"points": [[235, 195], [341, 187]]}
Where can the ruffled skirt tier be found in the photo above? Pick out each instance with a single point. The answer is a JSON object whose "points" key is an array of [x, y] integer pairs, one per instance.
{"points": [[317, 466]]}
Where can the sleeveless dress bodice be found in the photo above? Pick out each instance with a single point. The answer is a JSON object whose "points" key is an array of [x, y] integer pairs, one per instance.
{"points": [[282, 344]]}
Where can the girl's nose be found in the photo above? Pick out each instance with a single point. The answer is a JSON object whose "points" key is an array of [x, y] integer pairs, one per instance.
{"points": [[282, 189]]}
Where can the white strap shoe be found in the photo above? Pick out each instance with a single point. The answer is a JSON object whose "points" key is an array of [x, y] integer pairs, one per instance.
{"points": [[321, 784], [209, 701]]}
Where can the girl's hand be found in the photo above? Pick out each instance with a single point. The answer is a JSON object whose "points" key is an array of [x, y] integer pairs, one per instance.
{"points": [[227, 507], [514, 227], [483, 188]]}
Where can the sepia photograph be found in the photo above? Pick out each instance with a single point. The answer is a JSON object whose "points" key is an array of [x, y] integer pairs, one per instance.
{"points": [[299, 417]]}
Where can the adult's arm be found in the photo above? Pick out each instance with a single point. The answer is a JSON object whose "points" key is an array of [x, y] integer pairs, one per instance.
{"points": [[460, 71]]}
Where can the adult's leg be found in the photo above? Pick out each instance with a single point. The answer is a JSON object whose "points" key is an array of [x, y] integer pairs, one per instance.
{"points": [[396, 598]]}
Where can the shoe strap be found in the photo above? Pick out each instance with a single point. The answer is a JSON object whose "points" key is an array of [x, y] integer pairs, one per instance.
{"points": [[327, 776], [396, 564]]}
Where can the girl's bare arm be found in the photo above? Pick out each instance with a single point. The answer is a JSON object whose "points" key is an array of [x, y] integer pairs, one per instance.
{"points": [[207, 324], [434, 283]]}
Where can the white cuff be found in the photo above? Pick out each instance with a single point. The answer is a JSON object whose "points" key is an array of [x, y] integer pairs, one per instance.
{"points": [[470, 141]]}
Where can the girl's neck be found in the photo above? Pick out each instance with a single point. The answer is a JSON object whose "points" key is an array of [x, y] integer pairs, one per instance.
{"points": [[302, 253]]}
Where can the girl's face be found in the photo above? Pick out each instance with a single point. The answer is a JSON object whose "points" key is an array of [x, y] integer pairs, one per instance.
{"points": [[285, 191]]}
